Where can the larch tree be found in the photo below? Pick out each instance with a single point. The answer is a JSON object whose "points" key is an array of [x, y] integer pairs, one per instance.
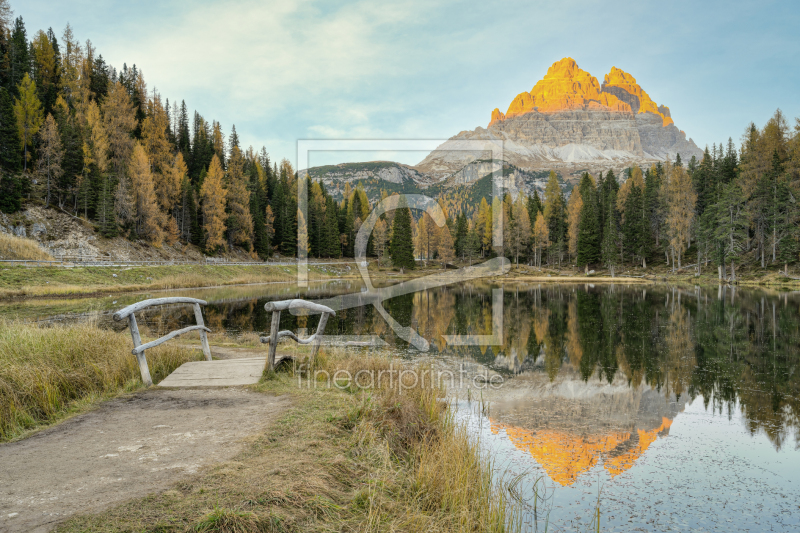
{"points": [[29, 115], [213, 197], [445, 246], [541, 237], [483, 225], [71, 59], [148, 217], [302, 231], [156, 142], [119, 119], [379, 237], [6, 16], [45, 69], [680, 198], [519, 234], [240, 222], [269, 226], [574, 207], [51, 154]]}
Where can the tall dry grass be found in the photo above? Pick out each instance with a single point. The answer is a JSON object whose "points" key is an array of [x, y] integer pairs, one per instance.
{"points": [[13, 247], [430, 473], [44, 371]]}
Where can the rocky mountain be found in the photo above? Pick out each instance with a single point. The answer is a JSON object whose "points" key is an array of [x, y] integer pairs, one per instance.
{"points": [[570, 122], [373, 175]]}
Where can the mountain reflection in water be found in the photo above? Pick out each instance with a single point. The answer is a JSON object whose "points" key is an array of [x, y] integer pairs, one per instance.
{"points": [[569, 426]]}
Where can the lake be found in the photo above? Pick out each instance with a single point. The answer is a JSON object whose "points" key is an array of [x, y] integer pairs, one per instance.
{"points": [[674, 408]]}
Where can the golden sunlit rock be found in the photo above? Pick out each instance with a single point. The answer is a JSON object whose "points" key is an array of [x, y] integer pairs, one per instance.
{"points": [[566, 87], [624, 86], [565, 456]]}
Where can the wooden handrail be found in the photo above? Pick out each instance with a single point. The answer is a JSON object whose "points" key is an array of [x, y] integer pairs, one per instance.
{"points": [[294, 306], [144, 304], [165, 338], [139, 348], [297, 304]]}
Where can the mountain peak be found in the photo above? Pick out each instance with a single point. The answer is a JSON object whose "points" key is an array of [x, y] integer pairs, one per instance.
{"points": [[624, 86], [567, 87]]}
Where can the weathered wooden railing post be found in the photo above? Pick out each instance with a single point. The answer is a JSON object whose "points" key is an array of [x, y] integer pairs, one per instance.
{"points": [[273, 339], [275, 335], [198, 316], [139, 349], [137, 341]]}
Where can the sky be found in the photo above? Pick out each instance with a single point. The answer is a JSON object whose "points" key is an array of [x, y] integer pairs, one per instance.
{"points": [[284, 71]]}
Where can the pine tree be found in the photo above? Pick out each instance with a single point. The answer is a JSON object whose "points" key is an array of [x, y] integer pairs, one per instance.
{"points": [[20, 65], [610, 235], [105, 209], [257, 212], [401, 249], [10, 193], [588, 248], [28, 112], [10, 142], [213, 202], [555, 214], [462, 228]]}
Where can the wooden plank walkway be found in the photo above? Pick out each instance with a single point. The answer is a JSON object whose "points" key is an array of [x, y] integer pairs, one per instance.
{"points": [[218, 373]]}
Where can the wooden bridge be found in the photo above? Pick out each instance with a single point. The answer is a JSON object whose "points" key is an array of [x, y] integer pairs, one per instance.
{"points": [[223, 372]]}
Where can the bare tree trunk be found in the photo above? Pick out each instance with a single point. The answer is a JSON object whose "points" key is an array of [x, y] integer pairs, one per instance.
{"points": [[733, 271], [774, 244], [644, 262], [719, 271]]}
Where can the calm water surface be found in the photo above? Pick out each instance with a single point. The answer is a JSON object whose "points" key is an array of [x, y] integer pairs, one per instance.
{"points": [[679, 406]]}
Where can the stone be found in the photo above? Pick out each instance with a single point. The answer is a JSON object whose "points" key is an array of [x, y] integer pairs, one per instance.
{"points": [[38, 229]]}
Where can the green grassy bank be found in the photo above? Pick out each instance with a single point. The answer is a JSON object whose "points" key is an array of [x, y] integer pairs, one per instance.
{"points": [[20, 281], [49, 373]]}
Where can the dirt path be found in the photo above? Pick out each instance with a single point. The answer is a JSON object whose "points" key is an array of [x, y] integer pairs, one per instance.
{"points": [[128, 447]]}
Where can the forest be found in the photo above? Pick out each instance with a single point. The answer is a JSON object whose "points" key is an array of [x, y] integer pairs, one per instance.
{"points": [[80, 136]]}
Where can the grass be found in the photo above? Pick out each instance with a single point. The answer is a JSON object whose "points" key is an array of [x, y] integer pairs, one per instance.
{"points": [[12, 247], [20, 281], [47, 373], [340, 459]]}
